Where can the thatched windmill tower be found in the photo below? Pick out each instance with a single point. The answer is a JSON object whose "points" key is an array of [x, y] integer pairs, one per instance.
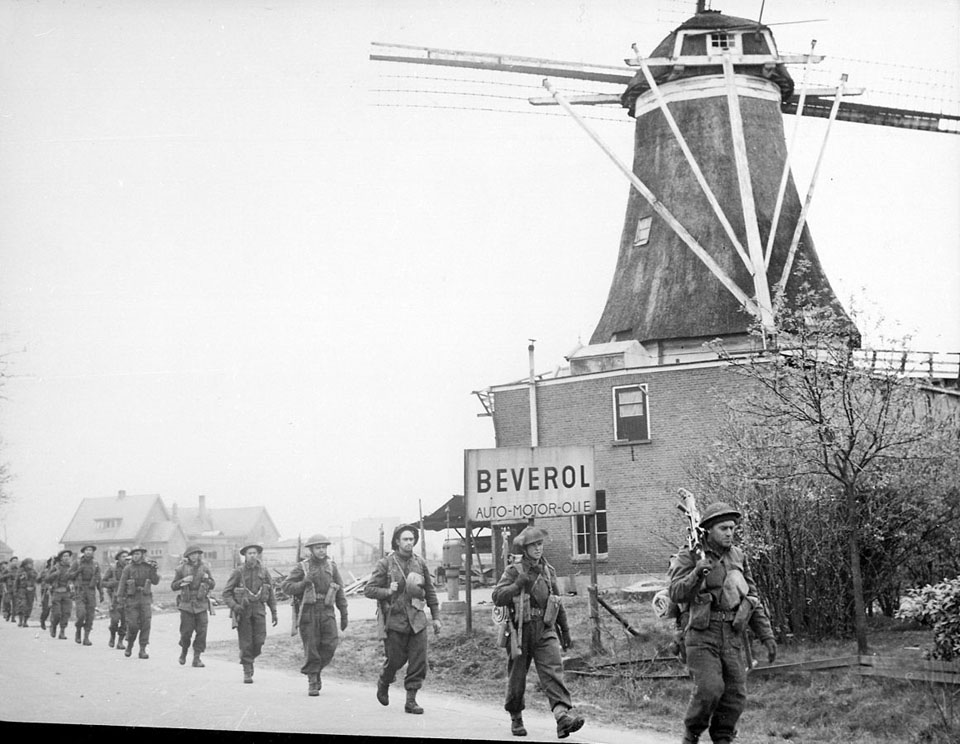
{"points": [[715, 238]]}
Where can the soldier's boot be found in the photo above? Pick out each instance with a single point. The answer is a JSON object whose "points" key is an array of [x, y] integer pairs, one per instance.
{"points": [[183, 656], [63, 633], [120, 641], [128, 651], [411, 705], [516, 725], [143, 652], [22, 621], [113, 639], [313, 684], [77, 635], [248, 674], [568, 721], [43, 624], [53, 631], [690, 738], [196, 659], [86, 637], [383, 692]]}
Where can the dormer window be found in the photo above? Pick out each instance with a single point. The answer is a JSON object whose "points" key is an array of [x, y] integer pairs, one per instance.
{"points": [[720, 42], [107, 524]]}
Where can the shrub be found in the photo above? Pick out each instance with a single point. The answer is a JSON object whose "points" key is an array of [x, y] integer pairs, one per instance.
{"points": [[938, 607]]}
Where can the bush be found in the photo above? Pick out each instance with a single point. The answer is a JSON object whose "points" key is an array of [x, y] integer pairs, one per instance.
{"points": [[938, 607]]}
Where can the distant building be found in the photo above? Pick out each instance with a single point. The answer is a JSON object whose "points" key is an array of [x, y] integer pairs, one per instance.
{"points": [[120, 522], [6, 552], [221, 533]]}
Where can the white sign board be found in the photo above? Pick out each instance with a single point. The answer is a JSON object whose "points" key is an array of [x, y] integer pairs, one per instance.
{"points": [[511, 484]]}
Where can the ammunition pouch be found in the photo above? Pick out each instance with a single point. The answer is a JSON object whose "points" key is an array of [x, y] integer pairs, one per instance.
{"points": [[700, 612], [552, 610]]}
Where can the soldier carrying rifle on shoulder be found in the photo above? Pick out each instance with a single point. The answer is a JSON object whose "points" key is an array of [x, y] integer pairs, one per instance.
{"points": [[111, 584], [136, 583]]}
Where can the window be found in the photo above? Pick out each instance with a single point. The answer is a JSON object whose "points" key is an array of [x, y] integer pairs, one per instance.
{"points": [[722, 41], [631, 418], [581, 530], [642, 236], [107, 524], [212, 555], [156, 552]]}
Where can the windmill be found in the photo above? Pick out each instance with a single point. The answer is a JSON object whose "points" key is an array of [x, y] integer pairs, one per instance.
{"points": [[715, 238]]}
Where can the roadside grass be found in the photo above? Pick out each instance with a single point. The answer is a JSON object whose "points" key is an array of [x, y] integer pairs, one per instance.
{"points": [[821, 707]]}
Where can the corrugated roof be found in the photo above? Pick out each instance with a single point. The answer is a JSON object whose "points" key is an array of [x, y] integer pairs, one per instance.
{"points": [[131, 509]]}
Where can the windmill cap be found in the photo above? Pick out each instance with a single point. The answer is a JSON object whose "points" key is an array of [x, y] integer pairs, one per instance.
{"points": [[528, 535], [718, 512], [318, 539]]}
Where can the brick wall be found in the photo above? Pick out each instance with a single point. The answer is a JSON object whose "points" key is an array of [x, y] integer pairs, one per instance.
{"points": [[640, 480]]}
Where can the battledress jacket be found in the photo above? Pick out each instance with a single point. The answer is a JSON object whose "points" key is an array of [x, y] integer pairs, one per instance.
{"points": [[110, 581], [27, 580], [85, 575], [403, 612], [323, 574], [58, 579], [699, 596], [193, 595], [248, 589], [544, 578]]}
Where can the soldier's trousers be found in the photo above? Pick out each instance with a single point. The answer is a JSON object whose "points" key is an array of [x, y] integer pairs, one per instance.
{"points": [[318, 631], [7, 604], [117, 623], [540, 645], [61, 605], [44, 607], [720, 680], [85, 607], [25, 600], [194, 623], [138, 613], [405, 648], [251, 633]]}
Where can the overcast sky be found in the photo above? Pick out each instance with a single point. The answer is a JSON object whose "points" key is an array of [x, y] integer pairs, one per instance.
{"points": [[233, 263]]}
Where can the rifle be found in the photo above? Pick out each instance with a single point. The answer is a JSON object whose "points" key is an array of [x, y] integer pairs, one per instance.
{"points": [[295, 603], [688, 505]]}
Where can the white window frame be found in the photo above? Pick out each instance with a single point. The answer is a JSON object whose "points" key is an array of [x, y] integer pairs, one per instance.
{"points": [[642, 234], [719, 42], [579, 529], [616, 412]]}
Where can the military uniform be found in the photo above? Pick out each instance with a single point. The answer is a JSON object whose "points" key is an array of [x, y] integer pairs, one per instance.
{"points": [[26, 591], [528, 588], [193, 581], [402, 617], [61, 595], [717, 597], [111, 583], [45, 591], [85, 574], [248, 592], [317, 588], [136, 585], [8, 578]]}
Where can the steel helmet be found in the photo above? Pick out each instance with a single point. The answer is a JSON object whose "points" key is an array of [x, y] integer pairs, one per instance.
{"points": [[718, 512], [317, 539]]}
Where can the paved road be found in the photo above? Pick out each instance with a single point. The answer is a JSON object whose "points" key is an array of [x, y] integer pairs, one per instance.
{"points": [[99, 685]]}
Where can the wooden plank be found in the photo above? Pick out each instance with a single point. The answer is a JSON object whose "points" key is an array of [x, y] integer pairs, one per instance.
{"points": [[914, 676], [841, 662], [910, 663]]}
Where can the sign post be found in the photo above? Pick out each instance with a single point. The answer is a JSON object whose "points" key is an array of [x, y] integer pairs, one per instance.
{"points": [[506, 485]]}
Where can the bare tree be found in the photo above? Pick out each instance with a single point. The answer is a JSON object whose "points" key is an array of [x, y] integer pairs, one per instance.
{"points": [[869, 451]]}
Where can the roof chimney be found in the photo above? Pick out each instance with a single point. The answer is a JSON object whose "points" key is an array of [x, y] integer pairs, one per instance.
{"points": [[121, 494], [202, 511]]}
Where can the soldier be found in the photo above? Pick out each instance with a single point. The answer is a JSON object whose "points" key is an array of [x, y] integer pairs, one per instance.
{"points": [[26, 591], [717, 598], [45, 590], [9, 578], [61, 594], [136, 584], [529, 588], [3, 587], [111, 583], [402, 586], [248, 589], [193, 580], [85, 575], [316, 582]]}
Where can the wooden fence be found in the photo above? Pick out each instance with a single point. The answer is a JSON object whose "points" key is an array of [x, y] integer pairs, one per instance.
{"points": [[917, 670]]}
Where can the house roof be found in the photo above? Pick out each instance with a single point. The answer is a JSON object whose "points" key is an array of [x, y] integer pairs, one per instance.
{"points": [[130, 509], [161, 532], [238, 521]]}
